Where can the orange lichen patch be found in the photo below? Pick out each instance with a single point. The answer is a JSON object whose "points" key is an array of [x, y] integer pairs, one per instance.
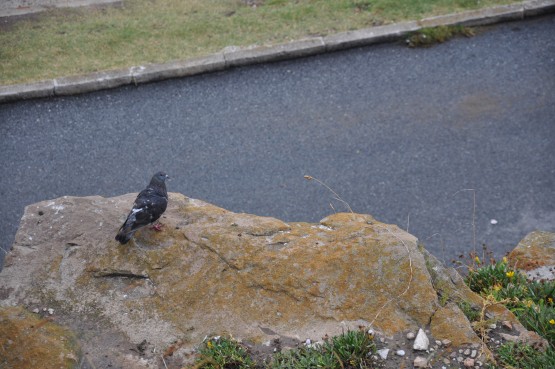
{"points": [[27, 341], [450, 323], [535, 250]]}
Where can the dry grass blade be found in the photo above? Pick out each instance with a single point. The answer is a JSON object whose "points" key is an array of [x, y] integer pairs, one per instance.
{"points": [[336, 196]]}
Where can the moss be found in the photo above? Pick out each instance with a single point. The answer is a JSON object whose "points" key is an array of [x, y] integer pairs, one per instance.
{"points": [[430, 36], [28, 341]]}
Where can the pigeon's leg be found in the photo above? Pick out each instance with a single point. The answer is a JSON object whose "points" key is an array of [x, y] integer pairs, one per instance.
{"points": [[157, 227]]}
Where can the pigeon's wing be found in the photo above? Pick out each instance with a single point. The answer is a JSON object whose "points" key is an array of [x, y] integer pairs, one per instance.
{"points": [[147, 208]]}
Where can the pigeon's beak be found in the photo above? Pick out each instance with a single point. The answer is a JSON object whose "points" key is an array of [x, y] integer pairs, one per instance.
{"points": [[167, 177]]}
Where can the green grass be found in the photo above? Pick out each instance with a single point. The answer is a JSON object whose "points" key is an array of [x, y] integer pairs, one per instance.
{"points": [[349, 350], [77, 41]]}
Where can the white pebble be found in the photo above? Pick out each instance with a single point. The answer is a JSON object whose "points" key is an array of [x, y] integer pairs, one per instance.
{"points": [[400, 352], [493, 221], [421, 342], [36, 310], [383, 353], [50, 311], [410, 335]]}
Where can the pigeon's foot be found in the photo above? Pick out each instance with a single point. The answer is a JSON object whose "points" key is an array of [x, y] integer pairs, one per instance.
{"points": [[157, 227]]}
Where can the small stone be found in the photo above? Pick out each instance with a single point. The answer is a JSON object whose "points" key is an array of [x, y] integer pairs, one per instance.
{"points": [[493, 326], [383, 353], [508, 337], [382, 340], [493, 221], [50, 311], [36, 310], [400, 352], [420, 362], [446, 361], [410, 335], [467, 352], [308, 341], [473, 354], [460, 359], [468, 362], [438, 343], [475, 346], [421, 342], [446, 342], [507, 324], [371, 332], [479, 363], [461, 351]]}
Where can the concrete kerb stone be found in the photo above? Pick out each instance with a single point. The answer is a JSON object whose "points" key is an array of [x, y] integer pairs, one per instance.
{"points": [[26, 91], [537, 7], [176, 69], [232, 57], [91, 82], [260, 54], [369, 36]]}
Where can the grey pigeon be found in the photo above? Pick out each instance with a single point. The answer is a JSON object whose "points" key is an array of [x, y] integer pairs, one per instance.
{"points": [[149, 205]]}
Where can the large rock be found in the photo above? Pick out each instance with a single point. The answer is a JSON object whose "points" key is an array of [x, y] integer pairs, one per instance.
{"points": [[535, 255], [211, 271]]}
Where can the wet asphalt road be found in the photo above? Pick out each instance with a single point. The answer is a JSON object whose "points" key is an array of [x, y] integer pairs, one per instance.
{"points": [[398, 133]]}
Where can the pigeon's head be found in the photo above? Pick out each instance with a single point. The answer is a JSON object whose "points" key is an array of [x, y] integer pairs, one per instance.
{"points": [[160, 176]]}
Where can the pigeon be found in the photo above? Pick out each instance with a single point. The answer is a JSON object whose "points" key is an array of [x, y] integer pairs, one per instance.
{"points": [[149, 205]]}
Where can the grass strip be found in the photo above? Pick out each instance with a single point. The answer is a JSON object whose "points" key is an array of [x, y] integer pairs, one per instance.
{"points": [[67, 42]]}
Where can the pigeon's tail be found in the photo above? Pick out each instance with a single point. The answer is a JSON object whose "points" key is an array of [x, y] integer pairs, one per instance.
{"points": [[124, 234], [123, 238]]}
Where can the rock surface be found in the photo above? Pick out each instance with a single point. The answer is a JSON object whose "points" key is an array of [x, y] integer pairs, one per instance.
{"points": [[535, 255], [212, 272], [31, 341]]}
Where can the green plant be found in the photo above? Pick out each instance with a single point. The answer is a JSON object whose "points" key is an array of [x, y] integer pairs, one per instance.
{"points": [[434, 35], [512, 355], [539, 317], [531, 301], [223, 353], [349, 350], [472, 314]]}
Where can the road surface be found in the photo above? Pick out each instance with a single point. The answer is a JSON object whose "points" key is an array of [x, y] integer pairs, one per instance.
{"points": [[444, 141]]}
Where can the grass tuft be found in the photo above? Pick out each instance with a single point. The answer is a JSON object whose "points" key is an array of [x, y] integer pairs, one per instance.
{"points": [[430, 36], [223, 353]]}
